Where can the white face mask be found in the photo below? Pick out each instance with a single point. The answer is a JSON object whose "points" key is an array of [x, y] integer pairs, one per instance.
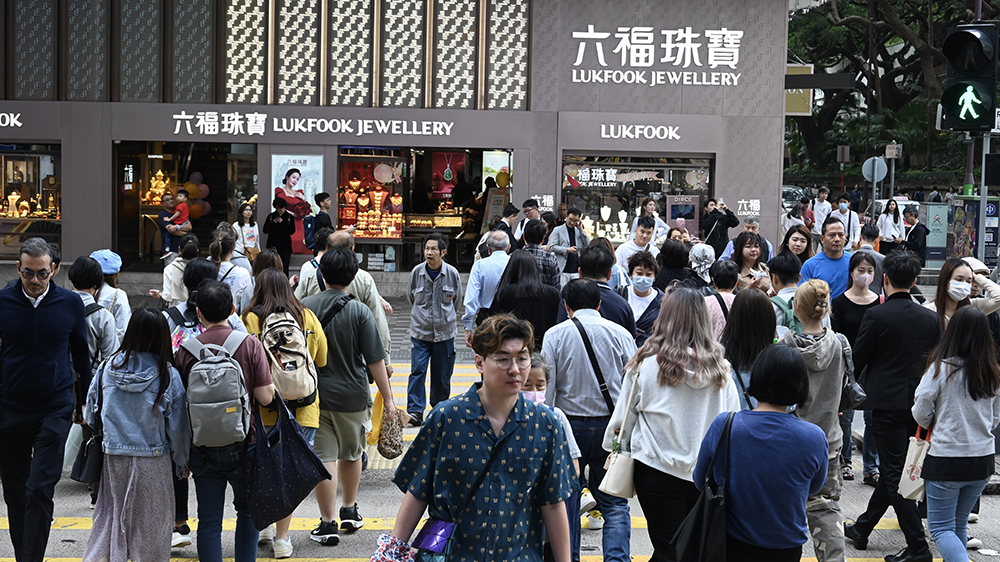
{"points": [[863, 279], [538, 397], [959, 290]]}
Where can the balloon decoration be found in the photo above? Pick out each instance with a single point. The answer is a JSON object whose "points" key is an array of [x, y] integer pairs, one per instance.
{"points": [[197, 192], [196, 178], [192, 189], [196, 210], [202, 191]]}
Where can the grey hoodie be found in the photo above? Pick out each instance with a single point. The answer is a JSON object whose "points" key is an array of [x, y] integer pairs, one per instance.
{"points": [[824, 356]]}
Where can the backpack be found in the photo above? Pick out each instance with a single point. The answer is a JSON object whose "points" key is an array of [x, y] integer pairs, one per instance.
{"points": [[789, 319], [184, 328], [319, 277], [292, 367], [218, 402], [309, 231], [91, 308], [335, 310]]}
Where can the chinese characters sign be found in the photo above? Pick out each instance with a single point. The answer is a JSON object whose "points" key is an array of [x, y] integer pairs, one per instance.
{"points": [[690, 57], [748, 207], [234, 123]]}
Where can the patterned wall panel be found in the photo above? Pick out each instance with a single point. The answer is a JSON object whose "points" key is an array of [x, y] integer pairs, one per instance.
{"points": [[246, 51], [456, 36], [507, 81], [141, 37], [298, 52], [86, 50], [193, 51], [403, 28], [350, 46], [34, 45]]}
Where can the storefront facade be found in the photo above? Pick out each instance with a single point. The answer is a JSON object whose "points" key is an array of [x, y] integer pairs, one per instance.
{"points": [[590, 104]]}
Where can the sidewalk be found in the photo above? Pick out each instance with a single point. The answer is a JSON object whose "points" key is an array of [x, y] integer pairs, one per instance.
{"points": [[399, 331]]}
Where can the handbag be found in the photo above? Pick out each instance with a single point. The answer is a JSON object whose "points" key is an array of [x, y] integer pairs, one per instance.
{"points": [[249, 253], [90, 459], [620, 467], [281, 469], [853, 394], [435, 541], [390, 439], [702, 535], [911, 484]]}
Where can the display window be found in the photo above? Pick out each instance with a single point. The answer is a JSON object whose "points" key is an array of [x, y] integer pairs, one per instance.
{"points": [[32, 196], [610, 191], [217, 178]]}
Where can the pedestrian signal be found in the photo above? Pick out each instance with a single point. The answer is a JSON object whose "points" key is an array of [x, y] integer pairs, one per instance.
{"points": [[970, 96]]}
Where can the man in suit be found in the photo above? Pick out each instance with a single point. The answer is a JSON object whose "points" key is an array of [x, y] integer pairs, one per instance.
{"points": [[916, 236], [595, 264], [566, 242], [889, 375], [506, 225]]}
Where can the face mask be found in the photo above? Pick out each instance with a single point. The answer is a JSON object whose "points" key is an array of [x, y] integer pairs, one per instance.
{"points": [[642, 283], [843, 207], [959, 290], [538, 397], [863, 279]]}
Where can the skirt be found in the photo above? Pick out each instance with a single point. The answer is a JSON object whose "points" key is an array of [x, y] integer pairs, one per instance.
{"points": [[134, 514]]}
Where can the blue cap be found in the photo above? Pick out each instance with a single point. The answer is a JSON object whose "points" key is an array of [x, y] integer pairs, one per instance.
{"points": [[110, 261]]}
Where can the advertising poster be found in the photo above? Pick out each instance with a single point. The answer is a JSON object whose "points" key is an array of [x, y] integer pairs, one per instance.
{"points": [[297, 179], [935, 217], [496, 200], [496, 162], [446, 169]]}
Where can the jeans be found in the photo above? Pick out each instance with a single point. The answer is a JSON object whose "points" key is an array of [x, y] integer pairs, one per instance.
{"points": [[869, 452], [441, 356], [617, 532], [212, 469], [948, 508], [31, 464]]}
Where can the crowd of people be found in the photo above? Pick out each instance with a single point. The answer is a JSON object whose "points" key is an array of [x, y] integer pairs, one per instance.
{"points": [[582, 350]]}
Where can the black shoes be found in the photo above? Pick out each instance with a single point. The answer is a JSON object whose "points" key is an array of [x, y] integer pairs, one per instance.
{"points": [[326, 533], [350, 519], [416, 419], [907, 555], [852, 534]]}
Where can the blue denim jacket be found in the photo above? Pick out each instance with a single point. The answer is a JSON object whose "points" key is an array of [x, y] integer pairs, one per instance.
{"points": [[132, 426]]}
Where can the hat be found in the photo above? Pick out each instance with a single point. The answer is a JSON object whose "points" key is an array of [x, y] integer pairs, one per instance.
{"points": [[110, 262], [976, 265]]}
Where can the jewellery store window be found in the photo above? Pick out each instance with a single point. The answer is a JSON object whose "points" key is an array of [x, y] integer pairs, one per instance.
{"points": [[32, 195], [610, 191]]}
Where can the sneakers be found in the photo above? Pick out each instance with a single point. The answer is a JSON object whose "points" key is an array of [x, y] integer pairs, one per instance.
{"points": [[350, 519], [416, 419], [326, 533], [282, 548], [973, 544], [587, 501], [973, 518], [267, 535], [595, 521], [181, 536]]}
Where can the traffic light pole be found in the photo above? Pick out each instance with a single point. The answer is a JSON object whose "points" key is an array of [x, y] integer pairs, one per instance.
{"points": [[981, 235]]}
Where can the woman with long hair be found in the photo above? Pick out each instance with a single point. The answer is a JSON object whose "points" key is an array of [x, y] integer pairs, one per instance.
{"points": [[222, 248], [793, 217], [825, 353], [648, 209], [955, 286], [549, 218], [749, 330], [247, 233], [109, 295], [891, 228], [272, 294], [174, 292], [682, 382], [748, 253], [143, 411], [295, 201], [958, 397], [522, 293], [776, 462], [266, 259], [183, 319], [798, 241]]}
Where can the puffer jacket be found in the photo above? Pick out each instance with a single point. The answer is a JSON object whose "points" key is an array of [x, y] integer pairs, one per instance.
{"points": [[132, 425], [827, 369]]}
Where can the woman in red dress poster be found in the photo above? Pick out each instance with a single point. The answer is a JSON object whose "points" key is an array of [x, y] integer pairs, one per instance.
{"points": [[297, 205]]}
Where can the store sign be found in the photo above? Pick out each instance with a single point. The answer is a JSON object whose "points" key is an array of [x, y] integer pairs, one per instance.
{"points": [[235, 123], [10, 120], [651, 132], [748, 207], [639, 51]]}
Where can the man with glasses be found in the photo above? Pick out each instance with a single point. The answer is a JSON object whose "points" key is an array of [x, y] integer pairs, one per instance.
{"points": [[566, 242], [584, 395], [44, 340], [530, 209], [833, 263]]}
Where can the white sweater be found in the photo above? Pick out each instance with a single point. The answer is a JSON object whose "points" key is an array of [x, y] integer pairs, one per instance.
{"points": [[672, 420], [889, 229]]}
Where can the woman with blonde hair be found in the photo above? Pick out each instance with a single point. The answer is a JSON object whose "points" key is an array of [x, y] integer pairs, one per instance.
{"points": [[827, 357], [682, 382]]}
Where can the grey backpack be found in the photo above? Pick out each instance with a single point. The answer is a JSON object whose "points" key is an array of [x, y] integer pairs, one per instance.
{"points": [[218, 402]]}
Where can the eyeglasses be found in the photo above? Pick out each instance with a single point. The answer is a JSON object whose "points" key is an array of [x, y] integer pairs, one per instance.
{"points": [[522, 361], [28, 275], [529, 209]]}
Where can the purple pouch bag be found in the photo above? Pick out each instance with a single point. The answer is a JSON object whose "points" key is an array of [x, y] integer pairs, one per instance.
{"points": [[434, 535]]}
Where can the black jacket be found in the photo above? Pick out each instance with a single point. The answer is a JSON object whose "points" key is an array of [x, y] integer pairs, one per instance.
{"points": [[894, 341], [645, 322], [916, 241], [279, 234], [715, 226]]}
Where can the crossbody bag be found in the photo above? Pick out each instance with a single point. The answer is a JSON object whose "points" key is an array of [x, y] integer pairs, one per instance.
{"points": [[601, 383]]}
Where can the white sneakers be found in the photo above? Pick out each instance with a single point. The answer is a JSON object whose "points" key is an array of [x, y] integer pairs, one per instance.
{"points": [[595, 521], [267, 535], [282, 548], [587, 501]]}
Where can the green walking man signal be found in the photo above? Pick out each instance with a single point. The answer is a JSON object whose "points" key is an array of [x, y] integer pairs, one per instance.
{"points": [[967, 99]]}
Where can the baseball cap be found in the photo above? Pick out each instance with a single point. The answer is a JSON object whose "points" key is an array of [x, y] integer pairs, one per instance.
{"points": [[110, 262]]}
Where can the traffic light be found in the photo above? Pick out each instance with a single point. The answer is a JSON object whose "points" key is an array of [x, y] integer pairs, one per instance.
{"points": [[970, 95]]}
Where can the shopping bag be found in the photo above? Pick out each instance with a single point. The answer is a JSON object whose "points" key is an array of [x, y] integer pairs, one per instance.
{"points": [[390, 440], [377, 407], [911, 484]]}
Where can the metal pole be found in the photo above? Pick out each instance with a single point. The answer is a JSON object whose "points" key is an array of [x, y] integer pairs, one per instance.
{"points": [[981, 235], [892, 176]]}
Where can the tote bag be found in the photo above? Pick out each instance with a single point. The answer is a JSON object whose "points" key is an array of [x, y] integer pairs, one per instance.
{"points": [[281, 469], [911, 483]]}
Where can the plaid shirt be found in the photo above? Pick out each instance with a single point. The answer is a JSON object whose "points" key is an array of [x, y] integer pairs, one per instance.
{"points": [[547, 266]]}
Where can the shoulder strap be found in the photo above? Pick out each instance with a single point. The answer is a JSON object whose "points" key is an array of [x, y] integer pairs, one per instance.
{"points": [[194, 347], [337, 307], [848, 357], [91, 308], [723, 444], [230, 270], [233, 342], [486, 469], [175, 314], [743, 388], [722, 304], [319, 276], [602, 384]]}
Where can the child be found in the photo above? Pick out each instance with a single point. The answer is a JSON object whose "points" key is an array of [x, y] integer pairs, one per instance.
{"points": [[534, 390], [182, 213]]}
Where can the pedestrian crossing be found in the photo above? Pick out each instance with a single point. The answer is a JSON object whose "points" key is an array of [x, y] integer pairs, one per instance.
{"points": [[583, 558]]}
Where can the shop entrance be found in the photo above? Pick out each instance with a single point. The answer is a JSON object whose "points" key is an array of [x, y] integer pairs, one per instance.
{"points": [[32, 196]]}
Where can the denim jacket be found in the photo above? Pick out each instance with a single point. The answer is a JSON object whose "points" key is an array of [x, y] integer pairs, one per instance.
{"points": [[132, 426]]}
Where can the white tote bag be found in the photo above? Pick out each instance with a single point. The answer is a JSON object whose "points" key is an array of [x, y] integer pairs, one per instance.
{"points": [[618, 480], [911, 483]]}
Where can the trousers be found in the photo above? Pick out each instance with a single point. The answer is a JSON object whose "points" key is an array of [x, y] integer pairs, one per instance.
{"points": [[826, 523]]}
